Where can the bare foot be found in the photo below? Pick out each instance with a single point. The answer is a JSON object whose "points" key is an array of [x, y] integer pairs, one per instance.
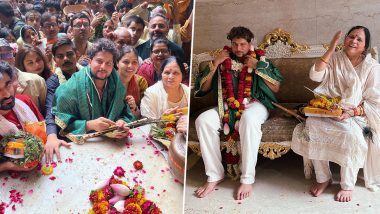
{"points": [[207, 188], [344, 196], [318, 188], [244, 191]]}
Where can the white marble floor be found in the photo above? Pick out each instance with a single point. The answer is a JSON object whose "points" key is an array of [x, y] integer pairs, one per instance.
{"points": [[280, 188]]}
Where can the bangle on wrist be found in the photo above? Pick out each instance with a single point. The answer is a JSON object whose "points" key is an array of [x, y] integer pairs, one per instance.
{"points": [[357, 111], [211, 66], [323, 60]]}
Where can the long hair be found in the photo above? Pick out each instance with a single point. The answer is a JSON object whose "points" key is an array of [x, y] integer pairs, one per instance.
{"points": [[20, 57]]}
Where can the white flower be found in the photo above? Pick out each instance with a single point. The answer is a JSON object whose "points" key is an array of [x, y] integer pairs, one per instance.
{"points": [[236, 66]]}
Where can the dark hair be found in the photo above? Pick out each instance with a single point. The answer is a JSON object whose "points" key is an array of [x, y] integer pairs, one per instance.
{"points": [[109, 7], [6, 9], [32, 12], [179, 62], [367, 36], [127, 49], [159, 40], [240, 32], [79, 16], [39, 8], [154, 15], [61, 42], [53, 3], [103, 44], [21, 54], [47, 17], [124, 5], [4, 32], [135, 19], [25, 28], [7, 69]]}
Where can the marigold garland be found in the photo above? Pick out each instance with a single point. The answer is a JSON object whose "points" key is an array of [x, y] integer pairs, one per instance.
{"points": [[235, 105]]}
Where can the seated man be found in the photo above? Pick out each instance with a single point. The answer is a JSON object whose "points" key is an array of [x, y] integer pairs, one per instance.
{"points": [[15, 110], [242, 110], [159, 27], [93, 98], [66, 60]]}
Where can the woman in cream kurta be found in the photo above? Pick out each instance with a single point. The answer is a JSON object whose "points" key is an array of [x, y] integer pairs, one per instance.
{"points": [[355, 77], [167, 95]]}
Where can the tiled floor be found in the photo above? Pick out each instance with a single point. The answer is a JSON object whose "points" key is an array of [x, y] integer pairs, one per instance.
{"points": [[280, 188]]}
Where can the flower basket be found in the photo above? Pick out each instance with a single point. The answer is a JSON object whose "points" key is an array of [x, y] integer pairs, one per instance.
{"points": [[22, 148]]}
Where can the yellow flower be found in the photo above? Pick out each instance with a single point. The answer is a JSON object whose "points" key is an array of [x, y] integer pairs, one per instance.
{"points": [[91, 211], [100, 195]]}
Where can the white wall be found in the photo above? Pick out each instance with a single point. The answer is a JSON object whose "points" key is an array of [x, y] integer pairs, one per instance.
{"points": [[309, 21]]}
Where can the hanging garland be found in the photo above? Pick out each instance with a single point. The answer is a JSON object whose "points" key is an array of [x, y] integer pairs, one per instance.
{"points": [[235, 105]]}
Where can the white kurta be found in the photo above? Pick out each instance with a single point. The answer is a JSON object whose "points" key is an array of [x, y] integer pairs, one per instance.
{"points": [[343, 142], [155, 101]]}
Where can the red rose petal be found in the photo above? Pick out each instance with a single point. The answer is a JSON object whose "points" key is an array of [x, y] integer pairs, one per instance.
{"points": [[24, 179], [52, 178]]}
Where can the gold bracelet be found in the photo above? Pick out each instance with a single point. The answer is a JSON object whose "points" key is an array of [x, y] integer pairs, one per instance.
{"points": [[211, 66], [323, 60]]}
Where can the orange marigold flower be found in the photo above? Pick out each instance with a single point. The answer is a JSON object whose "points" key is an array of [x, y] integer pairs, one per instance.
{"points": [[230, 99], [237, 104], [132, 209], [155, 210], [100, 195], [101, 207]]}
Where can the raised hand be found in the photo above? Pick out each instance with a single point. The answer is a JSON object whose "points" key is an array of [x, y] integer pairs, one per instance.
{"points": [[131, 102], [223, 55], [335, 40], [250, 62]]}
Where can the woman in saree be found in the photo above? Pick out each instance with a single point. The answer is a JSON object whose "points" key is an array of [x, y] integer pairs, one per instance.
{"points": [[128, 64]]}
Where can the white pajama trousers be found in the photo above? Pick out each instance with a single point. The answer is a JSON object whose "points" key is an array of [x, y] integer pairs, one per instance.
{"points": [[323, 174], [207, 126]]}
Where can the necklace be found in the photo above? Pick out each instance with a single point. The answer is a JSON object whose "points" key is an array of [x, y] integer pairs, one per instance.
{"points": [[234, 106]]}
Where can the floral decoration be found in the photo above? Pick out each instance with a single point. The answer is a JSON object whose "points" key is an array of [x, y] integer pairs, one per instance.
{"points": [[234, 102], [115, 196]]}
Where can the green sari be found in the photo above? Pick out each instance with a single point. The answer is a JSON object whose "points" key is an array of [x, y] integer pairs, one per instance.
{"points": [[76, 101]]}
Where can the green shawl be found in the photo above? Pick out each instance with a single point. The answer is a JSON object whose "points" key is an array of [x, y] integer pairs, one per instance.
{"points": [[76, 101], [260, 90]]}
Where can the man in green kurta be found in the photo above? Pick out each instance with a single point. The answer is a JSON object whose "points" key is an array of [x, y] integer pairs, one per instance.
{"points": [[93, 98], [245, 83]]}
